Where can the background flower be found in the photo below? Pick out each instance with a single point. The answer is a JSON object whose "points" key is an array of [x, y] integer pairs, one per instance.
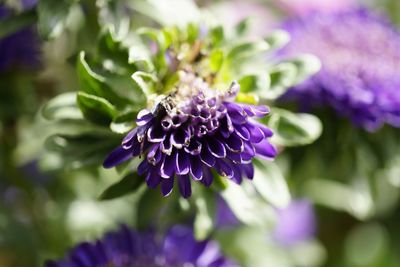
{"points": [[19, 49], [126, 247], [296, 223], [360, 73]]}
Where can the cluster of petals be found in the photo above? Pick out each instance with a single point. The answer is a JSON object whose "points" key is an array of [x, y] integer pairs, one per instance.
{"points": [[193, 130]]}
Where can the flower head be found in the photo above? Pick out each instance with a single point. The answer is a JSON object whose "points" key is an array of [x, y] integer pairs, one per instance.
{"points": [[128, 248], [193, 129], [295, 223], [360, 75], [19, 48]]}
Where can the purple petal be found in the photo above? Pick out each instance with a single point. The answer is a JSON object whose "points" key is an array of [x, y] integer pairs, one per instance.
{"points": [[180, 138], [265, 149], [143, 117], [258, 111], [155, 134], [243, 132], [117, 156], [266, 131], [226, 126], [256, 135], [196, 168], [194, 147], [216, 148], [166, 146], [207, 158], [224, 169], [143, 167], [236, 113], [182, 163], [153, 179], [130, 136], [233, 156], [248, 153], [166, 186], [184, 185], [237, 174], [154, 155], [234, 143], [248, 170], [207, 177], [167, 168]]}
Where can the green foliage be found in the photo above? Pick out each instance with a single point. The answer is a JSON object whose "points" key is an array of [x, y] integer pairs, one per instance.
{"points": [[128, 184], [291, 129]]}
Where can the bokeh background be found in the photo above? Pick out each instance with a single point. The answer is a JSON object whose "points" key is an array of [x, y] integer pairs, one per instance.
{"points": [[345, 187]]}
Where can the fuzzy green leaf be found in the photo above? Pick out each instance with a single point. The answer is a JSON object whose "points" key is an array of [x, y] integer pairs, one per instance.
{"points": [[96, 109], [127, 185], [291, 129]]}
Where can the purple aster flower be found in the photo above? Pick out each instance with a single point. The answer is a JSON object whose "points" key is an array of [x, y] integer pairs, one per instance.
{"points": [[128, 248], [296, 223], [193, 129], [19, 48], [360, 75]]}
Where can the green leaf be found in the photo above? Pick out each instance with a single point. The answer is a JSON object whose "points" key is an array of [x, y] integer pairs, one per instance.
{"points": [[242, 27], [95, 84], [76, 127], [289, 73], [81, 150], [54, 16], [96, 109], [165, 12], [306, 65], [142, 80], [15, 23], [291, 129], [204, 219], [127, 185], [63, 106], [271, 184], [247, 206], [277, 39], [245, 50], [281, 77], [216, 59], [217, 35]]}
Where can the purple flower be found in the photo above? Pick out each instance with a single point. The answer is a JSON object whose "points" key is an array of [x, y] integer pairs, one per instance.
{"points": [[360, 75], [224, 216], [19, 48], [193, 129], [134, 249], [296, 223]]}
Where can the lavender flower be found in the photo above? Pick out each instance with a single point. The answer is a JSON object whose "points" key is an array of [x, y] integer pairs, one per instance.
{"points": [[19, 48], [295, 223], [130, 248], [193, 129], [360, 76]]}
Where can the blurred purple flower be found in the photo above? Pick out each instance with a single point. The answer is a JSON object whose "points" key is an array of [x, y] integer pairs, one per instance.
{"points": [[296, 223], [360, 75], [224, 215], [20, 48], [130, 248], [192, 130], [306, 7]]}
